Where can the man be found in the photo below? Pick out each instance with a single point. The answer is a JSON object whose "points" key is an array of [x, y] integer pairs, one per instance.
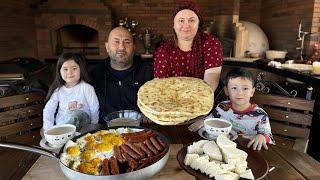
{"points": [[118, 79]]}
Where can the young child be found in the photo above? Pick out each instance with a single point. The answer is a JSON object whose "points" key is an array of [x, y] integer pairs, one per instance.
{"points": [[70, 97], [246, 118]]}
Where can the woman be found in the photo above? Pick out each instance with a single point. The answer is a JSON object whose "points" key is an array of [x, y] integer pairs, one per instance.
{"points": [[192, 52]]}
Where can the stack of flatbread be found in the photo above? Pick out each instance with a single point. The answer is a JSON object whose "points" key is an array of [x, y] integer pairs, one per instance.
{"points": [[175, 100]]}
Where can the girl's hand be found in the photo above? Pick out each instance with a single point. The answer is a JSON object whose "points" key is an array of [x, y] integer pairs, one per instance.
{"points": [[42, 133], [257, 142]]}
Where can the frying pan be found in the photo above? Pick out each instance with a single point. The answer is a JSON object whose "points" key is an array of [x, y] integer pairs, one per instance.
{"points": [[144, 173]]}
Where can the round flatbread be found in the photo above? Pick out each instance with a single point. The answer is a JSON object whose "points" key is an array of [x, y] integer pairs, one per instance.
{"points": [[165, 118], [175, 100]]}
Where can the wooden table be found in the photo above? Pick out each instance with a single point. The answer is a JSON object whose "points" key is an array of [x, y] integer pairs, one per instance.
{"points": [[48, 168], [289, 164]]}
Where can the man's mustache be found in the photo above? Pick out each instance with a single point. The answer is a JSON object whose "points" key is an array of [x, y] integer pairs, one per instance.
{"points": [[121, 52]]}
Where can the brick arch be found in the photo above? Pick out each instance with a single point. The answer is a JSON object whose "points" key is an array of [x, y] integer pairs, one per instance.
{"points": [[54, 14], [58, 23]]}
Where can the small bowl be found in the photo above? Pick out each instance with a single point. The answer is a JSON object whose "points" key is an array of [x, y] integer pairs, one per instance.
{"points": [[58, 135], [123, 118], [254, 55], [216, 126], [274, 54]]}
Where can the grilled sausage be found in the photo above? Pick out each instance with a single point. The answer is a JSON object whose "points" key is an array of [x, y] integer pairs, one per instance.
{"points": [[145, 149], [136, 149], [156, 144], [148, 143], [131, 162], [129, 151], [141, 138], [117, 154], [114, 166], [105, 167], [161, 142], [128, 135]]}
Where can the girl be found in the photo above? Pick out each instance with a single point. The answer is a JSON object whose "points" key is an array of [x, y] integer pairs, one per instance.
{"points": [[70, 97]]}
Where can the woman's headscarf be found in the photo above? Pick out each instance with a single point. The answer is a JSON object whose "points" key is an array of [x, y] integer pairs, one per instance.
{"points": [[198, 62]]}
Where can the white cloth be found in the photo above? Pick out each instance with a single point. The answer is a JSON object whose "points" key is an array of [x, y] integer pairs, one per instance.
{"points": [[80, 97]]}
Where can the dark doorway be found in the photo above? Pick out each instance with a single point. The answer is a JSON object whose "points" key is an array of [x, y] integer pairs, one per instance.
{"points": [[77, 38]]}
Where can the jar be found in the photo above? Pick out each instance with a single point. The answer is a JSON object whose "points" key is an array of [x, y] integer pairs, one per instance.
{"points": [[316, 67]]}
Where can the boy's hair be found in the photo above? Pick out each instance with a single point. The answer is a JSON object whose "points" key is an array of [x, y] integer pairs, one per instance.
{"points": [[58, 81], [239, 72]]}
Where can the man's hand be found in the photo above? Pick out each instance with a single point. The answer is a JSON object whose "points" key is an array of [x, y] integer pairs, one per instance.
{"points": [[257, 142]]}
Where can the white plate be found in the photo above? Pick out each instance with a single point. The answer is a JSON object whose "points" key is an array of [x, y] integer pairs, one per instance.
{"points": [[203, 133], [45, 145]]}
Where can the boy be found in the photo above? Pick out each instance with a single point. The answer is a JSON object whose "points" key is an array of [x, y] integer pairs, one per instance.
{"points": [[246, 118]]}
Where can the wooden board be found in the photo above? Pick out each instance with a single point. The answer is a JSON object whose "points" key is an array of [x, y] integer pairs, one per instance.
{"points": [[240, 59]]}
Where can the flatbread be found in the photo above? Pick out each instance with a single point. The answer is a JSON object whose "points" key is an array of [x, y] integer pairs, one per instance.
{"points": [[174, 100], [167, 118], [176, 96]]}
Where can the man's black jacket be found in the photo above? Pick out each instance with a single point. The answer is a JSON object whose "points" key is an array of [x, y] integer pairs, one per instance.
{"points": [[114, 94]]}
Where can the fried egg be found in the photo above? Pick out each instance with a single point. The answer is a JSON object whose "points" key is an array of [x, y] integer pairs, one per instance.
{"points": [[89, 151], [71, 153], [88, 168]]}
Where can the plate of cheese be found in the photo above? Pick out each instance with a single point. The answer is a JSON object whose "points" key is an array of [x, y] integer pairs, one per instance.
{"points": [[221, 159]]}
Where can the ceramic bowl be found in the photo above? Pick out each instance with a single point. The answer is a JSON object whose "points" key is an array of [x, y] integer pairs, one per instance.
{"points": [[216, 126], [123, 118], [273, 54], [58, 135]]}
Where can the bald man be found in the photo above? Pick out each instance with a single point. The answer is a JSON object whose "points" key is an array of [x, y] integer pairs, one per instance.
{"points": [[118, 79]]}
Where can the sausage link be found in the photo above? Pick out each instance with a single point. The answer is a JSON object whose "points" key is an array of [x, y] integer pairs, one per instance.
{"points": [[131, 162], [117, 154], [148, 143], [161, 142], [156, 144], [145, 149], [136, 139], [105, 167], [136, 149], [114, 166], [128, 135], [129, 151]]}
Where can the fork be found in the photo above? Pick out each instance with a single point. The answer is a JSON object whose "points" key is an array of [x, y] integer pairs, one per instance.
{"points": [[196, 125]]}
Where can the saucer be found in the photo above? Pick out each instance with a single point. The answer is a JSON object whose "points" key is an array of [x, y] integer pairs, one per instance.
{"points": [[45, 145], [203, 133]]}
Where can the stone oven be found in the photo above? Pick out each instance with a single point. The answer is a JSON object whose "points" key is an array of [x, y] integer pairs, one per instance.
{"points": [[72, 27]]}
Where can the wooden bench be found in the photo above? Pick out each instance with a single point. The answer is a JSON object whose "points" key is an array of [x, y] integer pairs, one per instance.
{"points": [[20, 121], [290, 119]]}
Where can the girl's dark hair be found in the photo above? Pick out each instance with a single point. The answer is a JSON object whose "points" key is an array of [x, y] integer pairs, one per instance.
{"points": [[239, 72], [58, 81]]}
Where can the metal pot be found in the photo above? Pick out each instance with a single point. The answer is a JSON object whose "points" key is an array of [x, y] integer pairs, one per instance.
{"points": [[144, 173]]}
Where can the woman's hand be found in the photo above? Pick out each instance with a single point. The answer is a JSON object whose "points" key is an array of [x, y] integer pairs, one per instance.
{"points": [[257, 142]]}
